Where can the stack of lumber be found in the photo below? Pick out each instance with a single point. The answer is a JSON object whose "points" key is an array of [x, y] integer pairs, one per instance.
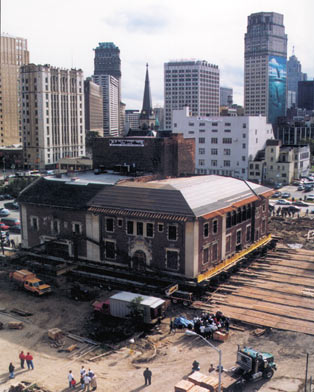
{"points": [[199, 382], [275, 291]]}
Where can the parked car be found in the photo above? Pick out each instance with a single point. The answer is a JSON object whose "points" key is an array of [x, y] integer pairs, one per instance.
{"points": [[7, 196], [293, 209], [310, 197], [285, 195], [300, 188], [12, 205], [300, 203], [296, 183], [277, 194], [283, 202], [308, 188], [15, 229], [278, 186], [4, 212], [11, 221], [4, 227]]}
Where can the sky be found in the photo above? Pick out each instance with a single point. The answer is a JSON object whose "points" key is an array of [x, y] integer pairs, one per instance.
{"points": [[64, 33]]}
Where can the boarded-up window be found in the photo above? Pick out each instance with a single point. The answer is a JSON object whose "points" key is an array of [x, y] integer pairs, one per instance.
{"points": [[172, 260]]}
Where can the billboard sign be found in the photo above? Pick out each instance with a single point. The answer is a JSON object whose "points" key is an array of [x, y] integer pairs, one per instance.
{"points": [[277, 80]]}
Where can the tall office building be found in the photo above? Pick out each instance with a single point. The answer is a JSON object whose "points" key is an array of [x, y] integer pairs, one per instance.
{"points": [[107, 62], [13, 54], [52, 114], [94, 117], [306, 95], [226, 96], [265, 67], [192, 83], [111, 112], [294, 75]]}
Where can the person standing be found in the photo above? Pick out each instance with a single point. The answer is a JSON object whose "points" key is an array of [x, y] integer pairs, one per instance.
{"points": [[11, 370], [82, 373], [93, 383], [87, 380], [147, 376], [70, 378], [22, 359], [29, 361]]}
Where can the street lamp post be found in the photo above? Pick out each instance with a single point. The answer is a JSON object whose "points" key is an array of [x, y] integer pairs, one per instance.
{"points": [[191, 333]]}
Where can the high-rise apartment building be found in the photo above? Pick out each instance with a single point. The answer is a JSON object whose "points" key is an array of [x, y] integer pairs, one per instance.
{"points": [[191, 83], [94, 117], [52, 114], [294, 75], [306, 95], [226, 96], [107, 63], [13, 54], [111, 112], [265, 66]]}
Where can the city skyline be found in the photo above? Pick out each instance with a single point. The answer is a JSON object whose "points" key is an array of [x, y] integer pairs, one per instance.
{"points": [[152, 32]]}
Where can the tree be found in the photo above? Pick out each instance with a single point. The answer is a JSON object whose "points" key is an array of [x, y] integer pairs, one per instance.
{"points": [[136, 310]]}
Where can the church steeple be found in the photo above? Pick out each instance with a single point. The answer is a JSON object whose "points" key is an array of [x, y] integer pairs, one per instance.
{"points": [[147, 116]]}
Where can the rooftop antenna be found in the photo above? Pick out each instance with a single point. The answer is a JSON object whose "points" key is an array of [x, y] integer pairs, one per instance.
{"points": [[293, 50]]}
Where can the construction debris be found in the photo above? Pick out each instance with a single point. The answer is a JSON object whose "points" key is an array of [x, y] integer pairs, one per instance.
{"points": [[55, 334], [21, 312], [15, 325], [259, 332]]}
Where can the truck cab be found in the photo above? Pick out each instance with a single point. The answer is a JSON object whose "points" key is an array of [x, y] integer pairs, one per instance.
{"points": [[254, 365], [37, 286]]}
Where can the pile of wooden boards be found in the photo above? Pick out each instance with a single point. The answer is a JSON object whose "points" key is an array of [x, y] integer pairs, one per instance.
{"points": [[275, 291], [199, 382]]}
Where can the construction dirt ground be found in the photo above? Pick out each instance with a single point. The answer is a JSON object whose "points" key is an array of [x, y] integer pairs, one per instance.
{"points": [[119, 367]]}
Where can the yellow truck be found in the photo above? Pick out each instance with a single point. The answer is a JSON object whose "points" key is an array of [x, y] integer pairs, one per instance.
{"points": [[29, 281]]}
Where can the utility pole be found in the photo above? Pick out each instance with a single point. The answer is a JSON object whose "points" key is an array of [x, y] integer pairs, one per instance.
{"points": [[306, 370]]}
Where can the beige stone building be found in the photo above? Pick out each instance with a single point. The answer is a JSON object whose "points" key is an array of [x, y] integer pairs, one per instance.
{"points": [[52, 115], [280, 164], [13, 54]]}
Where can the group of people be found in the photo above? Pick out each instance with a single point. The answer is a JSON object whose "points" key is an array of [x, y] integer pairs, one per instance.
{"points": [[22, 357], [87, 380], [208, 323]]}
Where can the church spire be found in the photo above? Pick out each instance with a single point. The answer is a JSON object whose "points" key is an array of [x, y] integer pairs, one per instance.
{"points": [[147, 117]]}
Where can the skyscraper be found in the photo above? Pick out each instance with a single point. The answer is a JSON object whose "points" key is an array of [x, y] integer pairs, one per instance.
{"points": [[93, 99], [294, 75], [265, 67], [226, 96], [107, 62], [192, 83], [52, 114], [111, 107], [306, 95], [13, 54]]}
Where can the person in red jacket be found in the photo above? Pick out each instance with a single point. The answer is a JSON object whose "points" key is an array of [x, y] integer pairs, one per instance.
{"points": [[22, 359], [29, 361]]}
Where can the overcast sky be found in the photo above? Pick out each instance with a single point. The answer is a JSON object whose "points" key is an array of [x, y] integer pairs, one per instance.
{"points": [[63, 33]]}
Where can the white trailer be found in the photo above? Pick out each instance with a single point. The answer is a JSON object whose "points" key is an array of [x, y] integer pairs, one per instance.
{"points": [[119, 305]]}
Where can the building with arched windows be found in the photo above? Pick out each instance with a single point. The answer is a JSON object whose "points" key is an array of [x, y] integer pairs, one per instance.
{"points": [[186, 227]]}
